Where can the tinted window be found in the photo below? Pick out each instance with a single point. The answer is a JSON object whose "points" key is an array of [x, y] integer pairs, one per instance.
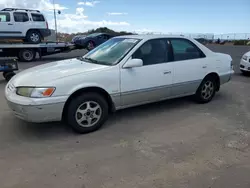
{"points": [[184, 50], [4, 17], [21, 17], [37, 17], [152, 52]]}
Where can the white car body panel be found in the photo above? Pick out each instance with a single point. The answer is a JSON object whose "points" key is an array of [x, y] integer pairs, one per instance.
{"points": [[126, 86], [245, 63]]}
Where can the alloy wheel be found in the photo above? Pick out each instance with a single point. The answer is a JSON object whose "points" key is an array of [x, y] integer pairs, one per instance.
{"points": [[88, 114], [207, 90]]}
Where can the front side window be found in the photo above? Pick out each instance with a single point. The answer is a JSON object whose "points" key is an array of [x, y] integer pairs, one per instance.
{"points": [[37, 17], [4, 17], [152, 52], [110, 52], [185, 50], [21, 17]]}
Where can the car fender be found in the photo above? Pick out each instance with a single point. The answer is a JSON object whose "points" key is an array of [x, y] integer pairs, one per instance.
{"points": [[85, 85]]}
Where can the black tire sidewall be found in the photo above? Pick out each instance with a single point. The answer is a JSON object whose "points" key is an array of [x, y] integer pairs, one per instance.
{"points": [[30, 33], [76, 102], [198, 95], [9, 75], [22, 58]]}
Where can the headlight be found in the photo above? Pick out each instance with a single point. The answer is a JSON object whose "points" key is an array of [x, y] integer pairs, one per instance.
{"points": [[244, 57], [35, 92]]}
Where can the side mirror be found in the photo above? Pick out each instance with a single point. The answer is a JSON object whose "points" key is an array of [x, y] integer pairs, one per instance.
{"points": [[133, 63]]}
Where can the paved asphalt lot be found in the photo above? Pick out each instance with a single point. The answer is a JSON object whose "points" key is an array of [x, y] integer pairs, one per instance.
{"points": [[176, 143]]}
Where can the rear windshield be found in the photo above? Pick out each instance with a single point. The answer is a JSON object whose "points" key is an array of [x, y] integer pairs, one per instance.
{"points": [[37, 17]]}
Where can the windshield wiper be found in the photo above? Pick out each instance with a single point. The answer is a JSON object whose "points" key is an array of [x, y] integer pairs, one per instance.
{"points": [[92, 60]]}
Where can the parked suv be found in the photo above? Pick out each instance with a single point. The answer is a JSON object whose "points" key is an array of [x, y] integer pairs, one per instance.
{"points": [[30, 25]]}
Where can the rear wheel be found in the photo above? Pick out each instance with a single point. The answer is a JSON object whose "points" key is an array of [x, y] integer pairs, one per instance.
{"points": [[87, 112], [206, 90], [33, 36], [9, 75], [27, 55]]}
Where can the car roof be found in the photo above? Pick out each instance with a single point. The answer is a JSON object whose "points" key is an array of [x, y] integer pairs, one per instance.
{"points": [[151, 36], [206, 50]]}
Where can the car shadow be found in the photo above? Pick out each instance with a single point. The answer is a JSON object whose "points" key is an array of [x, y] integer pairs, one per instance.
{"points": [[60, 129], [115, 123]]}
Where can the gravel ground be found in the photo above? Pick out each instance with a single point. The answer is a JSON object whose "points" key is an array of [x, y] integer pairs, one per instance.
{"points": [[176, 143]]}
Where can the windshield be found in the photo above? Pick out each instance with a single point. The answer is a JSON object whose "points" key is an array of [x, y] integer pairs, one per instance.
{"points": [[111, 52]]}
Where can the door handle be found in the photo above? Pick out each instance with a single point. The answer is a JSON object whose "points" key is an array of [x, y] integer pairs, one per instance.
{"points": [[167, 72], [204, 67], [10, 24]]}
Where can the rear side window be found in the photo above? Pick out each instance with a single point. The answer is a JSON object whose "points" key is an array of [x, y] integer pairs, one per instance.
{"points": [[21, 17], [184, 49], [37, 17], [4, 17]]}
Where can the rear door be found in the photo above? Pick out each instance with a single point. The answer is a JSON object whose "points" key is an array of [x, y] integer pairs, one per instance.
{"points": [[189, 66], [21, 22], [6, 26]]}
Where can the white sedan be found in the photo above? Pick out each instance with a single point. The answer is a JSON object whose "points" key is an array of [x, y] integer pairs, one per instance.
{"points": [[245, 63], [123, 72]]}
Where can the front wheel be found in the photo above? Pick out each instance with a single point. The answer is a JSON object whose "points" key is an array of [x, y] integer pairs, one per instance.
{"points": [[87, 112], [90, 45], [206, 90]]}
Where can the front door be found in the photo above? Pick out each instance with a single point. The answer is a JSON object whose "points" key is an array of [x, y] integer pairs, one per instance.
{"points": [[6, 26], [189, 67], [152, 81]]}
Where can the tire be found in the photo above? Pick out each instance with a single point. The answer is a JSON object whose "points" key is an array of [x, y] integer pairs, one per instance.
{"points": [[33, 36], [4, 74], [90, 45], [78, 109], [27, 55], [206, 90], [9, 75]]}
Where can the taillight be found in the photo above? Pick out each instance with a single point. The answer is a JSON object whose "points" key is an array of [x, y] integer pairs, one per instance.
{"points": [[47, 25], [232, 65]]}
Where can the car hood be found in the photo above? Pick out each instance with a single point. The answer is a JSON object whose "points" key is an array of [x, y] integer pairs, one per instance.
{"points": [[51, 71]]}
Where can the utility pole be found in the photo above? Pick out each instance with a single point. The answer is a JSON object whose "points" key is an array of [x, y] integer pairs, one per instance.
{"points": [[55, 18]]}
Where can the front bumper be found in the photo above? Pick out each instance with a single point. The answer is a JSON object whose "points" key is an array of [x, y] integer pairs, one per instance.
{"points": [[37, 113], [35, 109], [244, 65]]}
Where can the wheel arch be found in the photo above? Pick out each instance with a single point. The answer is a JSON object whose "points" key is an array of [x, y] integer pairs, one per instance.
{"points": [[34, 29], [94, 89]]}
